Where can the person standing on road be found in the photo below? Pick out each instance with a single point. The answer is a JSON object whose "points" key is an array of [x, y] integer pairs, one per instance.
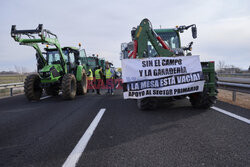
{"points": [[98, 79], [90, 80], [109, 73]]}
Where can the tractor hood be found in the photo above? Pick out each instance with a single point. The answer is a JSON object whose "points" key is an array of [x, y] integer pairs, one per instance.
{"points": [[50, 73], [51, 67]]}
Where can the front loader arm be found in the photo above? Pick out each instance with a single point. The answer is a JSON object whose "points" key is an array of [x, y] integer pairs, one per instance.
{"points": [[144, 34], [44, 37], [38, 51]]}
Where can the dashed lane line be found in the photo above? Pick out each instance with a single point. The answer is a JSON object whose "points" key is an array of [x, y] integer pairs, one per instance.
{"points": [[81, 145], [45, 97]]}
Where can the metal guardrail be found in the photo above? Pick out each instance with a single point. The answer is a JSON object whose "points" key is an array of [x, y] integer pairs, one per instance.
{"points": [[11, 86], [234, 87], [235, 80], [235, 74]]}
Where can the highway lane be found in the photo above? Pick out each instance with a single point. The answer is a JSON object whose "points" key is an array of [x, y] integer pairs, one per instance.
{"points": [[173, 135], [44, 133]]}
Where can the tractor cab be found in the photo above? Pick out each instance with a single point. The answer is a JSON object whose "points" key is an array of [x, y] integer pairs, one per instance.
{"points": [[171, 37], [71, 55], [53, 57], [93, 62], [53, 69]]}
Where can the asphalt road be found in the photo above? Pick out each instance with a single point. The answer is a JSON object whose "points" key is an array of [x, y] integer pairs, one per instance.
{"points": [[44, 133]]}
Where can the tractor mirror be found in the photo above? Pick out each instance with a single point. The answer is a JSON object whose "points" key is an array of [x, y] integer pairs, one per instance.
{"points": [[194, 31]]}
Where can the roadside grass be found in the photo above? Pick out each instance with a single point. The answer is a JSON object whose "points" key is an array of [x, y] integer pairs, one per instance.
{"points": [[6, 92], [4, 79]]}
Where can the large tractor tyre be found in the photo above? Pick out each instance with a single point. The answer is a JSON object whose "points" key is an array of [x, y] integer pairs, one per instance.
{"points": [[147, 103], [82, 85], [52, 90], [202, 100], [32, 87], [68, 87]]}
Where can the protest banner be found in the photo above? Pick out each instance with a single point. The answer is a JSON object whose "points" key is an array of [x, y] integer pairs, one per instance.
{"points": [[161, 76]]}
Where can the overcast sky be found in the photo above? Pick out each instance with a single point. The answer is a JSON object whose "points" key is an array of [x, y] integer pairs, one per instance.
{"points": [[101, 26]]}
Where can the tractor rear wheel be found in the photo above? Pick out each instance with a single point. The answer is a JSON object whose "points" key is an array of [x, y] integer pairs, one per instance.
{"points": [[52, 90], [147, 103], [68, 87], [32, 87], [82, 85]]}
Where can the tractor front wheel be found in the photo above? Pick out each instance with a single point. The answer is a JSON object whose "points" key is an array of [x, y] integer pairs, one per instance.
{"points": [[32, 87], [69, 87], [203, 100]]}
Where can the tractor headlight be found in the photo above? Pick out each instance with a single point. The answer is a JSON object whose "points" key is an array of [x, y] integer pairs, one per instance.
{"points": [[45, 74]]}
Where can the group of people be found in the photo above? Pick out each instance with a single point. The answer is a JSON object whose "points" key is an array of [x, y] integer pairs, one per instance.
{"points": [[97, 84]]}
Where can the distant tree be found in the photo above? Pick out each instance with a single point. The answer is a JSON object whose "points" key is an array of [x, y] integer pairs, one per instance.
{"points": [[18, 69], [221, 65], [249, 68], [223, 68], [7, 72]]}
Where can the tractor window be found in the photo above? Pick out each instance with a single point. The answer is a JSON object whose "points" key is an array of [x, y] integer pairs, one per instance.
{"points": [[170, 38], [72, 57], [53, 57], [82, 53], [83, 58], [92, 62], [71, 61], [151, 51], [65, 55]]}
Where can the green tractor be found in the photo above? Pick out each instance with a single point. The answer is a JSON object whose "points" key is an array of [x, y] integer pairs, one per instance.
{"points": [[58, 69], [148, 42], [94, 62]]}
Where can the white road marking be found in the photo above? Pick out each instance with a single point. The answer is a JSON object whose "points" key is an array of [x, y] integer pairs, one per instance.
{"points": [[117, 85], [232, 115], [81, 145], [45, 97]]}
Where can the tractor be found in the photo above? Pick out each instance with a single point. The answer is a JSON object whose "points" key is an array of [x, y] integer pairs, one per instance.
{"points": [[148, 42], [58, 69], [94, 62]]}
